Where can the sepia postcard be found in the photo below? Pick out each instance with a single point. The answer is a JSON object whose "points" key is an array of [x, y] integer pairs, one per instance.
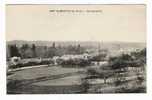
{"points": [[76, 49]]}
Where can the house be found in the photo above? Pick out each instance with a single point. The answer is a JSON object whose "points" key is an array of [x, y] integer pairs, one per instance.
{"points": [[15, 60]]}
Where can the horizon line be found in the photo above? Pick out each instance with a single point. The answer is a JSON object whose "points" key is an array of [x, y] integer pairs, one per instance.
{"points": [[76, 41]]}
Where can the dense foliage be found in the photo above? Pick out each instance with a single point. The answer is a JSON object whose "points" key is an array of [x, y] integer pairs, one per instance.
{"points": [[134, 59], [34, 51]]}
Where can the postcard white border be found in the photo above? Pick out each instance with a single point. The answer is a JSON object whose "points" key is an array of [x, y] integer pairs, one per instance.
{"points": [[75, 96]]}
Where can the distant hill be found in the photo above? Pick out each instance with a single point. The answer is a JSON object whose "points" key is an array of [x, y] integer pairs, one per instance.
{"points": [[87, 44]]}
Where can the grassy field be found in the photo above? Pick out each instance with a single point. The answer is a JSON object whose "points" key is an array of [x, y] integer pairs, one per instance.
{"points": [[52, 79], [41, 72], [57, 79]]}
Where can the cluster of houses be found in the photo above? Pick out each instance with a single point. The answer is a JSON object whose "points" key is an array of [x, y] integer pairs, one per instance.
{"points": [[55, 59], [84, 56]]}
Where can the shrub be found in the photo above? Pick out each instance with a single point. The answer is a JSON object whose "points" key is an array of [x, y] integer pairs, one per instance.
{"points": [[78, 62]]}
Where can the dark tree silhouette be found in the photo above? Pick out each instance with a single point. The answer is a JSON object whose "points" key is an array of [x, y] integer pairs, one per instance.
{"points": [[14, 51], [53, 45], [34, 50]]}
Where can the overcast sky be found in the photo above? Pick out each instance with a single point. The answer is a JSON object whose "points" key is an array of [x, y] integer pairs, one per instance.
{"points": [[115, 23]]}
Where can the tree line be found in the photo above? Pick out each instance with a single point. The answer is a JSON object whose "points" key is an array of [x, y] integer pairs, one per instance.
{"points": [[34, 51]]}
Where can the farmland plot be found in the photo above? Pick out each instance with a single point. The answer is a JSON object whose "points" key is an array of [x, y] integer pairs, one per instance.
{"points": [[37, 79], [130, 81]]}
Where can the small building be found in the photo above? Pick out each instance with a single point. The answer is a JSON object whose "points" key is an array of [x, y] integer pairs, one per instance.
{"points": [[15, 60]]}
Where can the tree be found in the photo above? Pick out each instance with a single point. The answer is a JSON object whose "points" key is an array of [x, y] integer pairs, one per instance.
{"points": [[26, 51], [51, 52], [78, 49], [121, 61], [53, 45], [14, 51], [34, 50]]}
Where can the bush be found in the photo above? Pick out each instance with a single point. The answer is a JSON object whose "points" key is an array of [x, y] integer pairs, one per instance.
{"points": [[92, 71], [136, 59], [78, 62]]}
